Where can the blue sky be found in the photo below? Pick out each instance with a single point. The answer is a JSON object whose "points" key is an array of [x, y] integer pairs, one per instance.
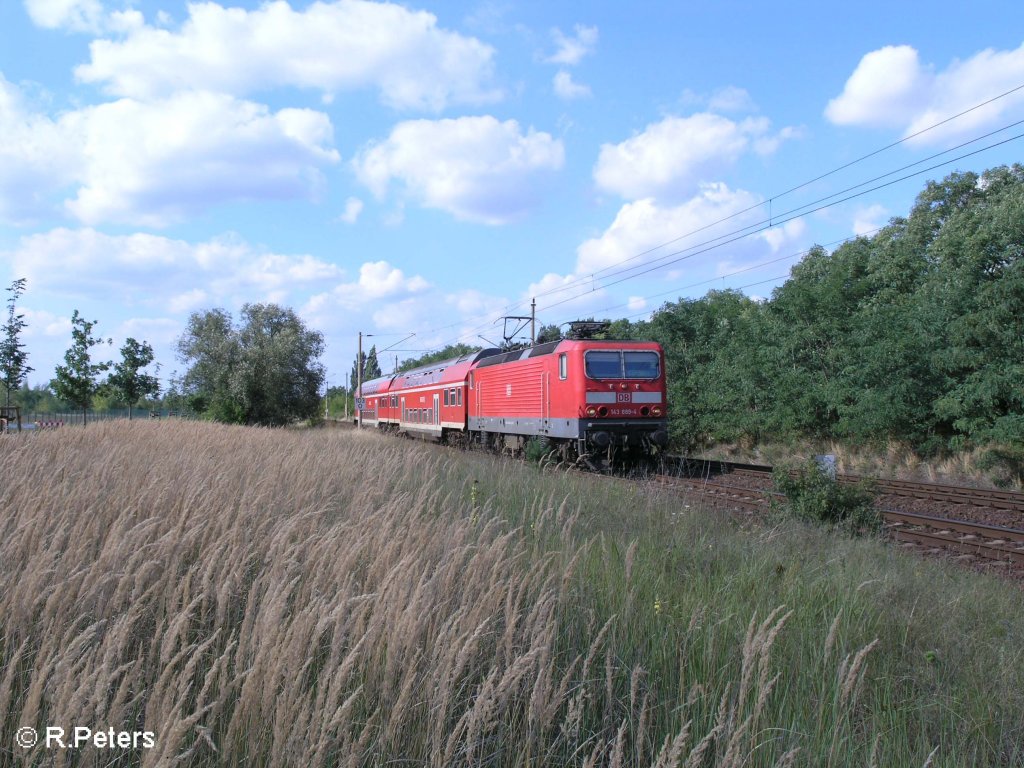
{"points": [[427, 168]]}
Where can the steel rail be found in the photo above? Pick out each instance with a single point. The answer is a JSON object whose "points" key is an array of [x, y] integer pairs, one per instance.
{"points": [[988, 541], [992, 498]]}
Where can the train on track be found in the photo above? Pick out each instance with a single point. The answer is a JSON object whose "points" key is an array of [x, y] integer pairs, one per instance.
{"points": [[595, 402]]}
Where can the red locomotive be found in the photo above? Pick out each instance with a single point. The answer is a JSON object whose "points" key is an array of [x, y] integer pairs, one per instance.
{"points": [[597, 401]]}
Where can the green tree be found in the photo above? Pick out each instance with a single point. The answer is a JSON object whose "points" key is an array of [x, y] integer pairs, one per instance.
{"points": [[447, 353], [370, 367], [38, 399], [372, 370], [264, 371], [128, 382], [76, 382], [550, 332], [13, 358], [211, 348]]}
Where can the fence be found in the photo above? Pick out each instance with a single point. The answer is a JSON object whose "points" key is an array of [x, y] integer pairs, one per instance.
{"points": [[50, 418]]}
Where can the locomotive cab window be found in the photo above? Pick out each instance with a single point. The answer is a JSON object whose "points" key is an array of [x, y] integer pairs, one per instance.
{"points": [[605, 364], [641, 365], [563, 366], [602, 364]]}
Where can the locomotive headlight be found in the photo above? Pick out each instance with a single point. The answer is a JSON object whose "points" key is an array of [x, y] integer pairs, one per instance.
{"points": [[591, 411], [656, 410]]}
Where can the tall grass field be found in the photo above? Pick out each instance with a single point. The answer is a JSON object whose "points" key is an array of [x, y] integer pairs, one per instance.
{"points": [[253, 597]]}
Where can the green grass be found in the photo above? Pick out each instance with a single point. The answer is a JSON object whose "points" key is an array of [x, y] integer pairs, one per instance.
{"points": [[944, 680]]}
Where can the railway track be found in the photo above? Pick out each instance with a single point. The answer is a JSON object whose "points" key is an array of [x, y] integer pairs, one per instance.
{"points": [[940, 492], [989, 542]]}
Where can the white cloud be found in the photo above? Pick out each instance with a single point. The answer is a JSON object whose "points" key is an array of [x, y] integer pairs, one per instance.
{"points": [[382, 297], [156, 163], [75, 15], [476, 168], [891, 88], [566, 88], [36, 158], [353, 207], [40, 322], [564, 295], [645, 224], [155, 330], [157, 272], [867, 220], [731, 99], [670, 158], [790, 232], [378, 279], [153, 163], [887, 88], [572, 49], [645, 239], [328, 46]]}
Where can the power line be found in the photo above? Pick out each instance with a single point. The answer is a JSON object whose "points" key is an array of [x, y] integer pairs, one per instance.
{"points": [[750, 268], [712, 244], [775, 220], [772, 220]]}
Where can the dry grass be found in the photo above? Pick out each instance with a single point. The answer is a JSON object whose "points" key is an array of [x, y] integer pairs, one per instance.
{"points": [[988, 466], [259, 597]]}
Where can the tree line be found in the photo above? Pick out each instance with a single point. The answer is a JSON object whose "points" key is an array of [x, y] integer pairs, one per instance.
{"points": [[914, 334], [77, 383]]}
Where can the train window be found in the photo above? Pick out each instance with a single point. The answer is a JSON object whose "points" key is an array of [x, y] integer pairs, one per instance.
{"points": [[446, 397], [601, 364], [471, 379], [642, 365], [458, 395], [563, 366]]}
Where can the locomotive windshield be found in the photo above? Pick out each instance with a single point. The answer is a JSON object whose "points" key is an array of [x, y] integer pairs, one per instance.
{"points": [[604, 365], [608, 364], [641, 365]]}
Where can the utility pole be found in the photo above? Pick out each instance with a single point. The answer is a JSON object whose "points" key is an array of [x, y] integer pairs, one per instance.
{"points": [[533, 320], [359, 382]]}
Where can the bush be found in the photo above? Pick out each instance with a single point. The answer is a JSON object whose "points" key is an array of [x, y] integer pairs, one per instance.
{"points": [[537, 449], [813, 496], [1004, 465]]}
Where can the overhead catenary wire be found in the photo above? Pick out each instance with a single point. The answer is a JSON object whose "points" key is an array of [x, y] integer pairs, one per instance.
{"points": [[723, 276], [786, 216], [590, 276], [790, 216], [755, 228]]}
